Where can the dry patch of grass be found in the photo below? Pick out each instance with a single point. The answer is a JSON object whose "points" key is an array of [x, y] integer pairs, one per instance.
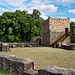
{"points": [[45, 56]]}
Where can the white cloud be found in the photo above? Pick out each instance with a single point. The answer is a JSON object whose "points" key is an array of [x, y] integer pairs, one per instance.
{"points": [[66, 1], [63, 2], [42, 6], [72, 19], [44, 17], [48, 8], [72, 11], [45, 9], [16, 2], [38, 2], [2, 10]]}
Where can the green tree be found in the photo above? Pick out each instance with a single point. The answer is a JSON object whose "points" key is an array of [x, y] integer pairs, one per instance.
{"points": [[20, 25]]}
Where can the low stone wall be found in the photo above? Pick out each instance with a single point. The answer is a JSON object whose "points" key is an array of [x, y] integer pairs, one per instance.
{"points": [[68, 46], [22, 44], [53, 70], [16, 64], [73, 47], [4, 47], [24, 66], [18, 44]]}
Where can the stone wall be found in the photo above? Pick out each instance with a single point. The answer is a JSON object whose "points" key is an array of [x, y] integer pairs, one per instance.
{"points": [[45, 33], [18, 44], [54, 28], [22, 44], [4, 47], [16, 64], [67, 40], [59, 24], [53, 70], [73, 47], [54, 36], [57, 28], [25, 66]]}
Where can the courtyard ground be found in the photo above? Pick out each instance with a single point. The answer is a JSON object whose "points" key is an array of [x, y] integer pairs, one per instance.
{"points": [[45, 56]]}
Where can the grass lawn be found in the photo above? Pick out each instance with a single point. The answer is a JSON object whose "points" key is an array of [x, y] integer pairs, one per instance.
{"points": [[45, 56]]}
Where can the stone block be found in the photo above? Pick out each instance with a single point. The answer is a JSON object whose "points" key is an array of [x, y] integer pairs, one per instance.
{"points": [[16, 64], [4, 47], [73, 47], [53, 70]]}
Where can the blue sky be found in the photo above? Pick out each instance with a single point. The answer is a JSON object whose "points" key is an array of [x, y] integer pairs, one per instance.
{"points": [[53, 8]]}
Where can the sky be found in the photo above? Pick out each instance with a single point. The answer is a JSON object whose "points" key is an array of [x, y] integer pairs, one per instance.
{"points": [[52, 8]]}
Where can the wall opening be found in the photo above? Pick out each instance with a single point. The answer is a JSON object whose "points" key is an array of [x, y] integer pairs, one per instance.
{"points": [[38, 41], [66, 31]]}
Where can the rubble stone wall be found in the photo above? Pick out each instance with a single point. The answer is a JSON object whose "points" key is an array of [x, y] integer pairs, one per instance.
{"points": [[24, 66], [45, 33], [4, 47], [67, 40], [16, 64], [18, 44], [57, 28], [54, 28], [73, 47], [54, 70]]}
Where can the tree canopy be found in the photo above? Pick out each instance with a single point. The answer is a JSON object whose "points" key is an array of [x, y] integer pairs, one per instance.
{"points": [[20, 26]]}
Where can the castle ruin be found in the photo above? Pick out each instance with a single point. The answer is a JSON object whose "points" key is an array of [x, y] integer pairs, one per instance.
{"points": [[55, 30]]}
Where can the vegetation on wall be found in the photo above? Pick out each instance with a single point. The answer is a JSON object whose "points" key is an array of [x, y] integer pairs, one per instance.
{"points": [[72, 26], [20, 26]]}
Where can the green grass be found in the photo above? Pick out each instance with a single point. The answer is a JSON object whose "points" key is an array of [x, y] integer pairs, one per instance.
{"points": [[45, 56], [4, 72]]}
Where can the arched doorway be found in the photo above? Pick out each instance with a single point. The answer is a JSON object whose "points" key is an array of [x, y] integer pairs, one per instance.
{"points": [[38, 40]]}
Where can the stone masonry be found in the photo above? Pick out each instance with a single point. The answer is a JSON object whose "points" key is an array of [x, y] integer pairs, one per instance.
{"points": [[16, 64], [4, 47], [25, 66], [53, 28], [54, 70]]}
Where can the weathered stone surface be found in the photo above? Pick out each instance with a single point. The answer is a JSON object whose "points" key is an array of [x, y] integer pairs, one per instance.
{"points": [[4, 47], [54, 28], [16, 64], [73, 47], [34, 40], [23, 44], [53, 70], [31, 72], [24, 66]]}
